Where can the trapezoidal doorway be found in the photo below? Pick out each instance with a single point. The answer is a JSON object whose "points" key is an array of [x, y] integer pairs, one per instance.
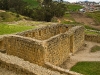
{"points": [[71, 44]]}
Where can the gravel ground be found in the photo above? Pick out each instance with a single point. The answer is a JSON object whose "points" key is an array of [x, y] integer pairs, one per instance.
{"points": [[83, 55]]}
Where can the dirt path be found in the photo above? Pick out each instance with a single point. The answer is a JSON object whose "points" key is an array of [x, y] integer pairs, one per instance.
{"points": [[83, 55]]}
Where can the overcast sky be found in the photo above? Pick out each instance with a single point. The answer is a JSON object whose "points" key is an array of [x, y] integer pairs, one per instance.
{"points": [[81, 0]]}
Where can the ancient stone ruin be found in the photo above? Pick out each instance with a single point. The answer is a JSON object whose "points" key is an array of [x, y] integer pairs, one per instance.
{"points": [[40, 51]]}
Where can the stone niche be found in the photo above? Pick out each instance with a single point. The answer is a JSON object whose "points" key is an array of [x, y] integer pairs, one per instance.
{"points": [[51, 43]]}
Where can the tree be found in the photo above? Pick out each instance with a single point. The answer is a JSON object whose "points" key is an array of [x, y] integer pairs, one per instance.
{"points": [[4, 4], [46, 2]]}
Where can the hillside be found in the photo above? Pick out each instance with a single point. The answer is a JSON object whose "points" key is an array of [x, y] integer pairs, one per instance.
{"points": [[9, 16], [91, 19]]}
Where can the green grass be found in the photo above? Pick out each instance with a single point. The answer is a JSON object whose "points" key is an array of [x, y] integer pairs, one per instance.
{"points": [[91, 32], [73, 7], [9, 29], [68, 16], [9, 16], [87, 68], [95, 48], [91, 28]]}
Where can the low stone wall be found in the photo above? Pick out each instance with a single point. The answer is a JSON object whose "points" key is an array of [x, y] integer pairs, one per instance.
{"points": [[1, 44], [58, 49], [60, 46], [55, 49], [93, 38], [45, 32], [23, 47], [77, 39], [22, 67], [61, 70]]}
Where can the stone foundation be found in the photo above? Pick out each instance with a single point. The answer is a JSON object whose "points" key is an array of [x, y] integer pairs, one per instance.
{"points": [[51, 44], [93, 38]]}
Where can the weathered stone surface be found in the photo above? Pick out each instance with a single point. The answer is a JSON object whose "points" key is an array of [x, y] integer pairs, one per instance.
{"points": [[94, 38], [52, 43], [45, 32], [18, 65]]}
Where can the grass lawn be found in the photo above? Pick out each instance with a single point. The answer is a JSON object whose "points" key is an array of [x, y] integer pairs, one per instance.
{"points": [[8, 29], [87, 68], [95, 48]]}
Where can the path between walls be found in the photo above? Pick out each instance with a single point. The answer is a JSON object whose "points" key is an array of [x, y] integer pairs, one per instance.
{"points": [[83, 55]]}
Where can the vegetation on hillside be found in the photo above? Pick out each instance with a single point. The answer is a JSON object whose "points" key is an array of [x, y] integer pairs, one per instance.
{"points": [[33, 9], [9, 16], [73, 7], [87, 68], [92, 32], [95, 16], [8, 29]]}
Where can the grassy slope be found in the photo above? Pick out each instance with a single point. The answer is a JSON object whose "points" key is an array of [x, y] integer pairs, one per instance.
{"points": [[73, 7], [8, 29], [9, 16], [87, 68]]}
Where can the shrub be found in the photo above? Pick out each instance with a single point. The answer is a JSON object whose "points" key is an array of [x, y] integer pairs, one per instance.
{"points": [[95, 48]]}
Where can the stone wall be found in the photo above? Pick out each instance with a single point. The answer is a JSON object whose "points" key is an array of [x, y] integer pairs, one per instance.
{"points": [[77, 38], [58, 49], [94, 38], [50, 44], [45, 32], [23, 47], [21, 67], [2, 49], [60, 46]]}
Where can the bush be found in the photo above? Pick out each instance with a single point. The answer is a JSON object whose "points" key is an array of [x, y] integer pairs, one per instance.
{"points": [[47, 12]]}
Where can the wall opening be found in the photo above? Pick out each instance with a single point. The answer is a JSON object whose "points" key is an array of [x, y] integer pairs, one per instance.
{"points": [[33, 34], [26, 35], [39, 33], [60, 29], [0, 44], [71, 44], [66, 28], [45, 31], [2, 50]]}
